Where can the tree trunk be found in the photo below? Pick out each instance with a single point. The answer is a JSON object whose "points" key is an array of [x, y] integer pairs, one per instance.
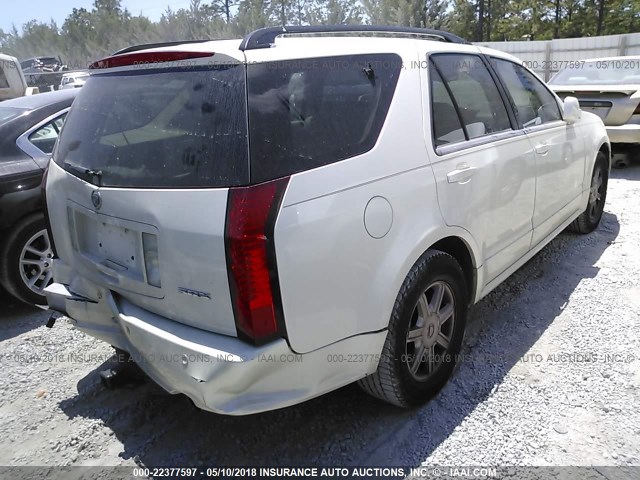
{"points": [[600, 17], [556, 31], [480, 31], [489, 17]]}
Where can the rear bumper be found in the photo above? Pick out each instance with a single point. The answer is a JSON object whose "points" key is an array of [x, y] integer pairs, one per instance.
{"points": [[219, 373], [629, 133]]}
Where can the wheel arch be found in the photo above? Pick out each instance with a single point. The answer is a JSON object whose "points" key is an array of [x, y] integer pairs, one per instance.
{"points": [[16, 221], [458, 243], [459, 249], [605, 148]]}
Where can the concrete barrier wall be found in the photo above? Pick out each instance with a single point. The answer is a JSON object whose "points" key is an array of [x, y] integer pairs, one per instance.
{"points": [[546, 57]]}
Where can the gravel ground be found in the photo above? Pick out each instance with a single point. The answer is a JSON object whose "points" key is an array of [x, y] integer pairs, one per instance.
{"points": [[551, 376]]}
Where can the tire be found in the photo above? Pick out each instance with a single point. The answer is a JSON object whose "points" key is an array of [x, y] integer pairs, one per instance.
{"points": [[589, 220], [399, 380], [15, 272]]}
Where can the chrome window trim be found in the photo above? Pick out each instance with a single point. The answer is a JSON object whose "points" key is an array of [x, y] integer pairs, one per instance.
{"points": [[23, 142], [478, 141], [546, 126]]}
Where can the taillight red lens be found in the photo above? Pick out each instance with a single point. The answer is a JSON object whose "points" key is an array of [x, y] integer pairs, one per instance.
{"points": [[146, 58], [253, 279]]}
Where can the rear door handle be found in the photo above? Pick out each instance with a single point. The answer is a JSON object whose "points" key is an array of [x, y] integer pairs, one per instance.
{"points": [[461, 174], [542, 149]]}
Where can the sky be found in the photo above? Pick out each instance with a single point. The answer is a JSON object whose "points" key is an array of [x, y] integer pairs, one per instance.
{"points": [[14, 11]]}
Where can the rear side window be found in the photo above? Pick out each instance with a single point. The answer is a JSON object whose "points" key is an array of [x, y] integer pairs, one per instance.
{"points": [[164, 128], [534, 104], [312, 112], [45, 137], [446, 123], [474, 92], [4, 83]]}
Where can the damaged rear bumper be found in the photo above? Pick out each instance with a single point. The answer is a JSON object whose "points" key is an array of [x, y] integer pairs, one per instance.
{"points": [[219, 373]]}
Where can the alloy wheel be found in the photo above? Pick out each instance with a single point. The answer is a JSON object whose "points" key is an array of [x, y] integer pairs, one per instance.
{"points": [[430, 331], [35, 262]]}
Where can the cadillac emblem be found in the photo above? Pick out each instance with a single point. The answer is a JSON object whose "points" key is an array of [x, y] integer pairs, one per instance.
{"points": [[96, 199]]}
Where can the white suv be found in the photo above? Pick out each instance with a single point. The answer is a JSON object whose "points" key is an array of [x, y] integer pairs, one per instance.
{"points": [[259, 222]]}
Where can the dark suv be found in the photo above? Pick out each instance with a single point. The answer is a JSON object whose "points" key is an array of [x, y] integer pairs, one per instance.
{"points": [[29, 128]]}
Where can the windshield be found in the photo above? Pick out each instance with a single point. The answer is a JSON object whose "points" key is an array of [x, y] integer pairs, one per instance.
{"points": [[600, 72], [159, 128]]}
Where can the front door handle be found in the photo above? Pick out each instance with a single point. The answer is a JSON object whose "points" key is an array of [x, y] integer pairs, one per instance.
{"points": [[542, 149], [461, 174]]}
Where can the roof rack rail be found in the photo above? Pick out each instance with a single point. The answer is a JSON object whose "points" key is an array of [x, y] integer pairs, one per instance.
{"points": [[264, 37], [144, 46]]}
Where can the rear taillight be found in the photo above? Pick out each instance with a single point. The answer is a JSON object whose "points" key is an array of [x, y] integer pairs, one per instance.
{"points": [[47, 220], [251, 263]]}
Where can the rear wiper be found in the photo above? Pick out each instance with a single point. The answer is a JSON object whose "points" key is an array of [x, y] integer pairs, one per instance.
{"points": [[85, 171]]}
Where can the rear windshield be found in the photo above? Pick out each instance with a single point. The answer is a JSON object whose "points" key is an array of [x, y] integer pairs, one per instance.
{"points": [[188, 128], [159, 128], [600, 72], [4, 83], [7, 113]]}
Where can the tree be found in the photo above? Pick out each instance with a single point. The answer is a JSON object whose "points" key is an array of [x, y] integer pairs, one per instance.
{"points": [[335, 12], [435, 14], [462, 19], [88, 34], [600, 17], [223, 8], [480, 24]]}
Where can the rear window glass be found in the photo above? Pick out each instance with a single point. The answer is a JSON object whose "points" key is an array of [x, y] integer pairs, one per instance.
{"points": [[474, 92], [312, 112], [599, 72], [446, 123], [4, 83], [7, 113], [159, 128]]}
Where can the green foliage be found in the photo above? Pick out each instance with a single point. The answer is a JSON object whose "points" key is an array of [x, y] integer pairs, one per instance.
{"points": [[87, 35]]}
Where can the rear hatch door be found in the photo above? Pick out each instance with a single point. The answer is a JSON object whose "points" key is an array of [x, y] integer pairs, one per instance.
{"points": [[152, 150]]}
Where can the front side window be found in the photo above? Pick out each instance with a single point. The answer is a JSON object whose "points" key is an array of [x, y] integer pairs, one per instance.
{"points": [[533, 102], [474, 92], [312, 112], [44, 138]]}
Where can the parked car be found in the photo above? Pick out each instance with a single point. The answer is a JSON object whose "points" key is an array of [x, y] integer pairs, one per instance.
{"points": [[73, 80], [29, 127], [259, 226], [610, 88], [12, 81], [43, 72], [42, 64]]}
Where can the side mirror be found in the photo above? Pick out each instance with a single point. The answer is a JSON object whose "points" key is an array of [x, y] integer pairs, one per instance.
{"points": [[571, 110]]}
